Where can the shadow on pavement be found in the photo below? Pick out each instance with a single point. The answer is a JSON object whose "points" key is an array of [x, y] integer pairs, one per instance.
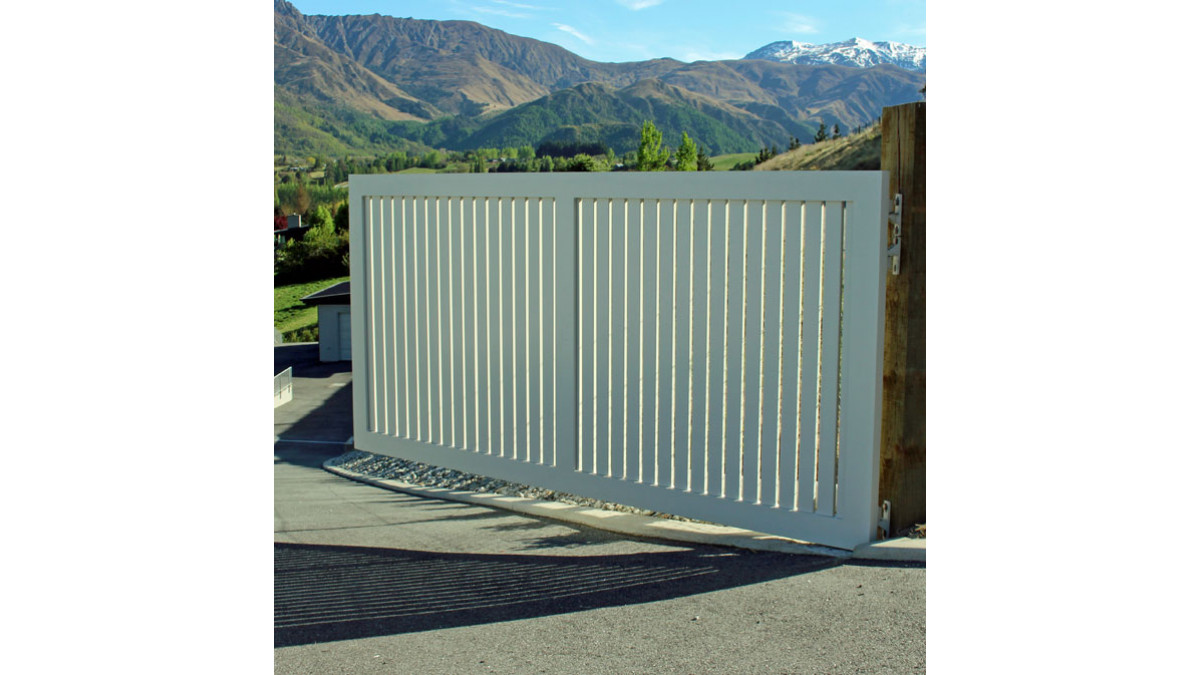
{"points": [[328, 593], [304, 358], [325, 405], [311, 456]]}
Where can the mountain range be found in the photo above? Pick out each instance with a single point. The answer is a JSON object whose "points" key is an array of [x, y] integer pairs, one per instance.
{"points": [[371, 84], [855, 52]]}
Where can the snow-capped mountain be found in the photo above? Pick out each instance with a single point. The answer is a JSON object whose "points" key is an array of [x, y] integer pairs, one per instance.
{"points": [[853, 52]]}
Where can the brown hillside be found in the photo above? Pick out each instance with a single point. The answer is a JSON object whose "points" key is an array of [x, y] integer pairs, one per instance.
{"points": [[856, 152]]}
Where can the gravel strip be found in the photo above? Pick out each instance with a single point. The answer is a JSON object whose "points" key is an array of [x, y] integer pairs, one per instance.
{"points": [[425, 475]]}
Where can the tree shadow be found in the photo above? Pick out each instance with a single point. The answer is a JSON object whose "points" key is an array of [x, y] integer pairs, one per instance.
{"points": [[328, 593]]}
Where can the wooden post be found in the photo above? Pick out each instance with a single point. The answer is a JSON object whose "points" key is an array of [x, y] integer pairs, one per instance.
{"points": [[902, 451]]}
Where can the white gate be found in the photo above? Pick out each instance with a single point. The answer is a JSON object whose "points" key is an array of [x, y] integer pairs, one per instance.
{"points": [[703, 344]]}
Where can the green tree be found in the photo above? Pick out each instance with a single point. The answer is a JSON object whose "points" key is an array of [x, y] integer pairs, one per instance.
{"points": [[581, 162], [341, 217], [702, 161], [321, 218], [837, 133], [432, 160], [821, 135], [685, 156], [651, 156]]}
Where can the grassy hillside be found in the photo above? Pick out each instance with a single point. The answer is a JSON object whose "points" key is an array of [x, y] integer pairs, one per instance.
{"points": [[293, 316], [727, 162], [856, 152]]}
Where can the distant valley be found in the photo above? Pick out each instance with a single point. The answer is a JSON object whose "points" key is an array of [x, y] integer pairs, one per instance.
{"points": [[377, 84]]}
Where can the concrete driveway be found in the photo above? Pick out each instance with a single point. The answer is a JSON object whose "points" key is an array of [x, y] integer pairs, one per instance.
{"points": [[373, 581]]}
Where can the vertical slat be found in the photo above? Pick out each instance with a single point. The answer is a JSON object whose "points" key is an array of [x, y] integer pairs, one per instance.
{"points": [[369, 313], [445, 311], [587, 336], [734, 329], [566, 331], [666, 332], [429, 316], [831, 292], [457, 405], [508, 427], [418, 321], [379, 316], [533, 326], [413, 362], [520, 330], [396, 208], [633, 324], [681, 295], [648, 342], [603, 341], [494, 391], [403, 291], [769, 410], [378, 367], [547, 367], [715, 403], [698, 351], [617, 350], [789, 351], [470, 324], [810, 332], [437, 406], [392, 339], [752, 365], [458, 298]]}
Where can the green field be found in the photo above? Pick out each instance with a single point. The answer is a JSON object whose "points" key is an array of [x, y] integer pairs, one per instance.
{"points": [[726, 162], [290, 313]]}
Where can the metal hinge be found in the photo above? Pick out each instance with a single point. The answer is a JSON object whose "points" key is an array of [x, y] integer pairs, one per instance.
{"points": [[893, 249], [885, 518]]}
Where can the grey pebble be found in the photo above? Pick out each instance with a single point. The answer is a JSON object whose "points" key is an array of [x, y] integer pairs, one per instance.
{"points": [[425, 475]]}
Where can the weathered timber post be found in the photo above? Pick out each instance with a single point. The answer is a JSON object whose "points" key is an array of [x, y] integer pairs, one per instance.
{"points": [[902, 451]]}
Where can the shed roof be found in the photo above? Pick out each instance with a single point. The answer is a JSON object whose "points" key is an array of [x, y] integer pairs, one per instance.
{"points": [[337, 294]]}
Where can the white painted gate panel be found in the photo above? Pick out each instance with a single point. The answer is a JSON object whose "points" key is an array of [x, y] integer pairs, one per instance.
{"points": [[704, 344]]}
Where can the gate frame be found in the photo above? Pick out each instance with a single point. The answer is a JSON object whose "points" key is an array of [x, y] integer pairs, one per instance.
{"points": [[859, 425]]}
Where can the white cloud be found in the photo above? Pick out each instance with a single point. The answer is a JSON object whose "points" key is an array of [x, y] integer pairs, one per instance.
{"points": [[518, 5], [907, 29], [567, 29], [636, 5], [797, 23], [500, 12], [498, 8], [690, 56]]}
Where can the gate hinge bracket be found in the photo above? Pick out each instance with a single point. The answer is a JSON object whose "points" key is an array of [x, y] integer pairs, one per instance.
{"points": [[893, 249], [885, 518]]}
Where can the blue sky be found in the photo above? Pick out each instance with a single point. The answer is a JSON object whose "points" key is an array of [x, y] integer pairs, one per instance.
{"points": [[688, 30]]}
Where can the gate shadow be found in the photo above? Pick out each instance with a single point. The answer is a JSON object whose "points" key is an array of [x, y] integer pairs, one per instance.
{"points": [[328, 593]]}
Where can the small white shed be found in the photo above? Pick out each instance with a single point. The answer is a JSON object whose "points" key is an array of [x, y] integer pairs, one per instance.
{"points": [[333, 320]]}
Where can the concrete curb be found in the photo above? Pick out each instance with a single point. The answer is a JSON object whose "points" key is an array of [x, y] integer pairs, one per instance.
{"points": [[894, 550], [636, 525]]}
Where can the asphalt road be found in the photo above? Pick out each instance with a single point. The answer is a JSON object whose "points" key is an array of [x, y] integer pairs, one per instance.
{"points": [[372, 581]]}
